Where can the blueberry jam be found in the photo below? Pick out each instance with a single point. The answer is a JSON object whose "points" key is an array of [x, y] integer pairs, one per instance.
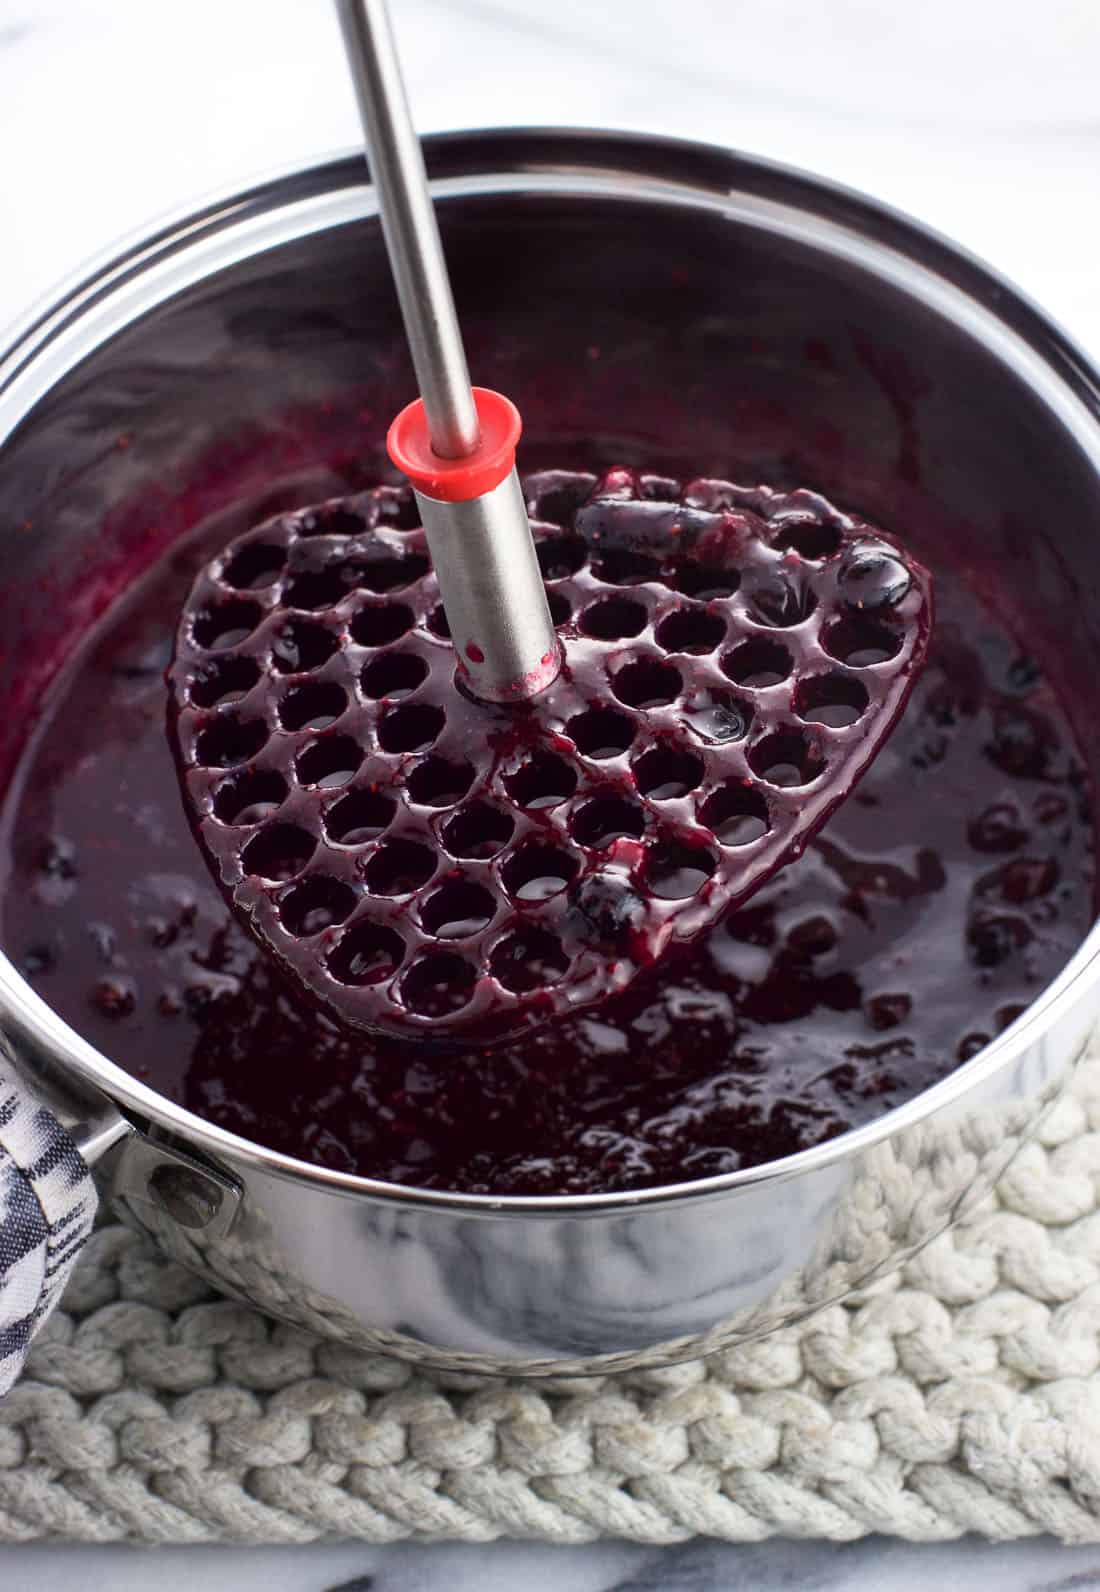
{"points": [[936, 903], [427, 866]]}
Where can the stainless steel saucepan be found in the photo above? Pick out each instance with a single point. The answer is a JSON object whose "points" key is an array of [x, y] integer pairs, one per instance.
{"points": [[693, 286]]}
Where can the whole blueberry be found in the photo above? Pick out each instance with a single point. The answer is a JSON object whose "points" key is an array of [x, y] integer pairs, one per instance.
{"points": [[1021, 741], [608, 911], [779, 598], [872, 577], [994, 937]]}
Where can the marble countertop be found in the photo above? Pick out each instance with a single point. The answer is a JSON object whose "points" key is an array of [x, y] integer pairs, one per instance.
{"points": [[874, 1565], [978, 117], [969, 115]]}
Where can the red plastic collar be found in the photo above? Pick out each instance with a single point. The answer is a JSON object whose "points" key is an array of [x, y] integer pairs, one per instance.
{"points": [[457, 480]]}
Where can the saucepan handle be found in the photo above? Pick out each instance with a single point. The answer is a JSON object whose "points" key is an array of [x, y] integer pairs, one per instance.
{"points": [[47, 1206]]}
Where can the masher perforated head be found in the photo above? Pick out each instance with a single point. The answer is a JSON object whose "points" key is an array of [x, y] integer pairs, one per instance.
{"points": [[423, 864]]}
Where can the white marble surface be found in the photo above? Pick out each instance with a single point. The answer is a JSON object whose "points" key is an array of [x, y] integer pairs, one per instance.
{"points": [[876, 1565], [979, 116]]}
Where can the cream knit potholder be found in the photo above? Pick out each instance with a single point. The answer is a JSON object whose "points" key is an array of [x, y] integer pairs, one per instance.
{"points": [[960, 1394]]}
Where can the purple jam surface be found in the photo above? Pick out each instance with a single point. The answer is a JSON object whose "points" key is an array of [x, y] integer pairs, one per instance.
{"points": [[936, 903], [429, 867]]}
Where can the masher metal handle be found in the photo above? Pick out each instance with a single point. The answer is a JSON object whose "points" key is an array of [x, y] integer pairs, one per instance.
{"points": [[411, 231], [456, 443]]}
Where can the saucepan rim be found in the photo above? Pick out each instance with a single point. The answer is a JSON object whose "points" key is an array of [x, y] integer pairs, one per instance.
{"points": [[315, 195]]}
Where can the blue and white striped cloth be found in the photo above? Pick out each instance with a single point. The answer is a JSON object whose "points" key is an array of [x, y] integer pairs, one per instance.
{"points": [[47, 1205]]}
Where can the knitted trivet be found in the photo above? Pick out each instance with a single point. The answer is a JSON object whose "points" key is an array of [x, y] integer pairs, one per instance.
{"points": [[961, 1394]]}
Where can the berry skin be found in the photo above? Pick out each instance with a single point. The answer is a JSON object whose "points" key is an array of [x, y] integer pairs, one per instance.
{"points": [[115, 997], [998, 828], [609, 911], [872, 577], [58, 859], [994, 937]]}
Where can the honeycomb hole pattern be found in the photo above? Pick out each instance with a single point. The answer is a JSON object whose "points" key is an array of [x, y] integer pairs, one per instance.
{"points": [[535, 872], [691, 630], [231, 740], [810, 539], [457, 910], [606, 818], [393, 675], [705, 582], [426, 865], [329, 762], [561, 609], [312, 707], [278, 852], [226, 624], [383, 574], [223, 681], [438, 983], [613, 619], [666, 772], [399, 867], [378, 625], [315, 590], [358, 817], [561, 556], [648, 683], [437, 783], [835, 700], [736, 814], [478, 832], [412, 728], [315, 904], [530, 959], [786, 758], [623, 566], [297, 647], [758, 663], [251, 797], [861, 642], [601, 733], [255, 565], [541, 782], [369, 953], [677, 870]]}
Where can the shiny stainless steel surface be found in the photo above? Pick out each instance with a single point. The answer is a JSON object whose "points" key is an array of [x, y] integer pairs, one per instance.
{"points": [[482, 548], [489, 577], [1009, 431], [408, 221]]}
